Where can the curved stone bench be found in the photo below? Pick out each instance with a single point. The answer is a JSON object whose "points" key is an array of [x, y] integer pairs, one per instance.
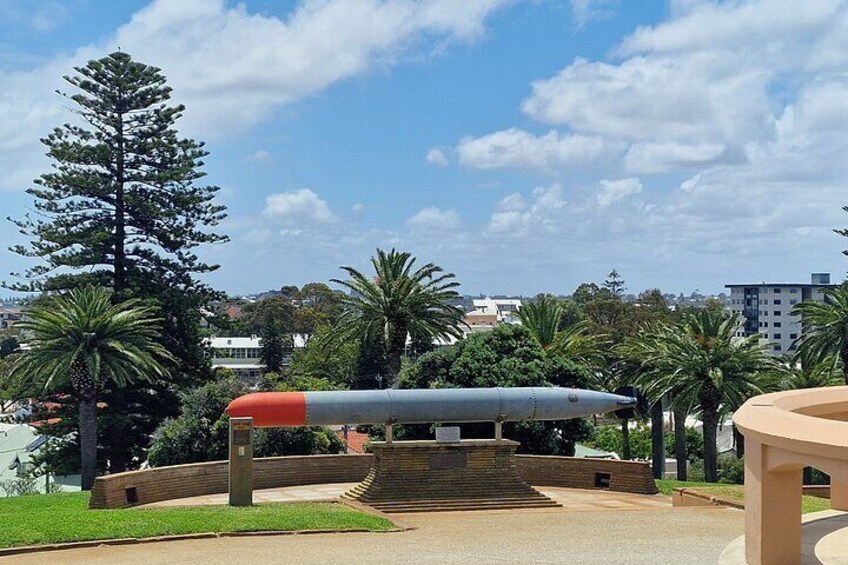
{"points": [[785, 432], [199, 479]]}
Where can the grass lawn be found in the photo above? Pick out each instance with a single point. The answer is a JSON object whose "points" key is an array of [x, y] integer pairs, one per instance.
{"points": [[736, 493], [64, 517]]}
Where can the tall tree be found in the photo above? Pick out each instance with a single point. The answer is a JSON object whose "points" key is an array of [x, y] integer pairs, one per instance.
{"points": [[825, 337], [122, 208], [615, 284], [400, 301], [701, 363], [276, 345], [83, 339]]}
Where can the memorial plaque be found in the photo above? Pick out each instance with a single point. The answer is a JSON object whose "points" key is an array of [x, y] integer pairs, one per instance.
{"points": [[448, 460], [241, 434], [447, 434]]}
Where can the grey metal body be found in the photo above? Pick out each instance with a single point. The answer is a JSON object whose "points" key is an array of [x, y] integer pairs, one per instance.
{"points": [[422, 406]]}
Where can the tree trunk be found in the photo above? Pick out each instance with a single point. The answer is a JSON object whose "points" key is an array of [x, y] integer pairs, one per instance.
{"points": [[625, 439], [844, 355], [711, 418], [680, 450], [397, 344], [739, 441], [657, 440], [88, 440]]}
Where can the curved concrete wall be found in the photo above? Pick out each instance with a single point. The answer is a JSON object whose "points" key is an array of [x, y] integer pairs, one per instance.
{"points": [[784, 432], [197, 479]]}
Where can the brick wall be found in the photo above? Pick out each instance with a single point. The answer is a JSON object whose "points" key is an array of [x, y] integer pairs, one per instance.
{"points": [[572, 472], [182, 481]]}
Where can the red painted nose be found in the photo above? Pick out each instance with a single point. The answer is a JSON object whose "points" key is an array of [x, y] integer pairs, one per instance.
{"points": [[270, 409]]}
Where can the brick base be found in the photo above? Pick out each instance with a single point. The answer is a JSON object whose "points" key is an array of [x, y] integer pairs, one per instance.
{"points": [[420, 476]]}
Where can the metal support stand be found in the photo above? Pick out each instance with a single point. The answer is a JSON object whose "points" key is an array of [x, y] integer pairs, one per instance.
{"points": [[241, 462]]}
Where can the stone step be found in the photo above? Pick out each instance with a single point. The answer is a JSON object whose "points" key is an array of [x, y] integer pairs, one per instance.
{"points": [[466, 505], [452, 501]]}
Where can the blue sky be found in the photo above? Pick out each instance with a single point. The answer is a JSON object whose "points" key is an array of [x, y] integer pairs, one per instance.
{"points": [[525, 146]]}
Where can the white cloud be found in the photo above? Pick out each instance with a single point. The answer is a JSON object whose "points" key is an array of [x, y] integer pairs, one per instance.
{"points": [[297, 207], [436, 156], [614, 190], [514, 217], [233, 68], [695, 98], [661, 157], [585, 11], [520, 149], [357, 208], [435, 219], [764, 24], [260, 156]]}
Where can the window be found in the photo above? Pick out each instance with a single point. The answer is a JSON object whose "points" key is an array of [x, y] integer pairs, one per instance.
{"points": [[777, 291], [776, 302], [777, 324], [764, 301], [793, 291], [793, 301], [777, 313], [776, 336], [793, 347], [793, 336], [777, 348]]}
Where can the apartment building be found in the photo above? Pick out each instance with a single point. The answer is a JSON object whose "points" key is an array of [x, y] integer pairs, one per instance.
{"points": [[766, 309]]}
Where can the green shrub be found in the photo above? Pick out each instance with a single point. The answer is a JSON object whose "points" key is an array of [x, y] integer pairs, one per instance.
{"points": [[731, 470]]}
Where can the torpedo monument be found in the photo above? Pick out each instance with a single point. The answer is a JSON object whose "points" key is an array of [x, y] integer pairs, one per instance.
{"points": [[446, 474]]}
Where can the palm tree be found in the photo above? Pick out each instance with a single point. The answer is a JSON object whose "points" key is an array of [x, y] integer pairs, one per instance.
{"points": [[398, 302], [542, 317], [81, 339], [700, 363], [825, 336]]}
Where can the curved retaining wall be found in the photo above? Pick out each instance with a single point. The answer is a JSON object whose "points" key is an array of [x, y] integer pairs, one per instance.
{"points": [[588, 473], [198, 479]]}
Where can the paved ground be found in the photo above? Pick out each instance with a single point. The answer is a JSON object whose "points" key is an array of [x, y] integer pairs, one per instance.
{"points": [[573, 500], [825, 541], [287, 494], [609, 528]]}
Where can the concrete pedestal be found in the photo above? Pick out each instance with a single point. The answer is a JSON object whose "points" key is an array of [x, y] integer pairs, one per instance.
{"points": [[421, 476]]}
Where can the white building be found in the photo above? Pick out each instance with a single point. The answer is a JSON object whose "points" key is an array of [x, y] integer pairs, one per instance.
{"points": [[767, 309], [18, 444], [9, 317], [506, 309], [242, 355]]}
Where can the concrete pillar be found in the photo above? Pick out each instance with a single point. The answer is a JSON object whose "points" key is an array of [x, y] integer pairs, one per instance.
{"points": [[389, 433], [241, 462], [498, 430], [839, 491], [772, 510]]}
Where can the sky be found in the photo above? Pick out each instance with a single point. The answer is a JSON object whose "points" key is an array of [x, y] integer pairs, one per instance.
{"points": [[526, 146]]}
